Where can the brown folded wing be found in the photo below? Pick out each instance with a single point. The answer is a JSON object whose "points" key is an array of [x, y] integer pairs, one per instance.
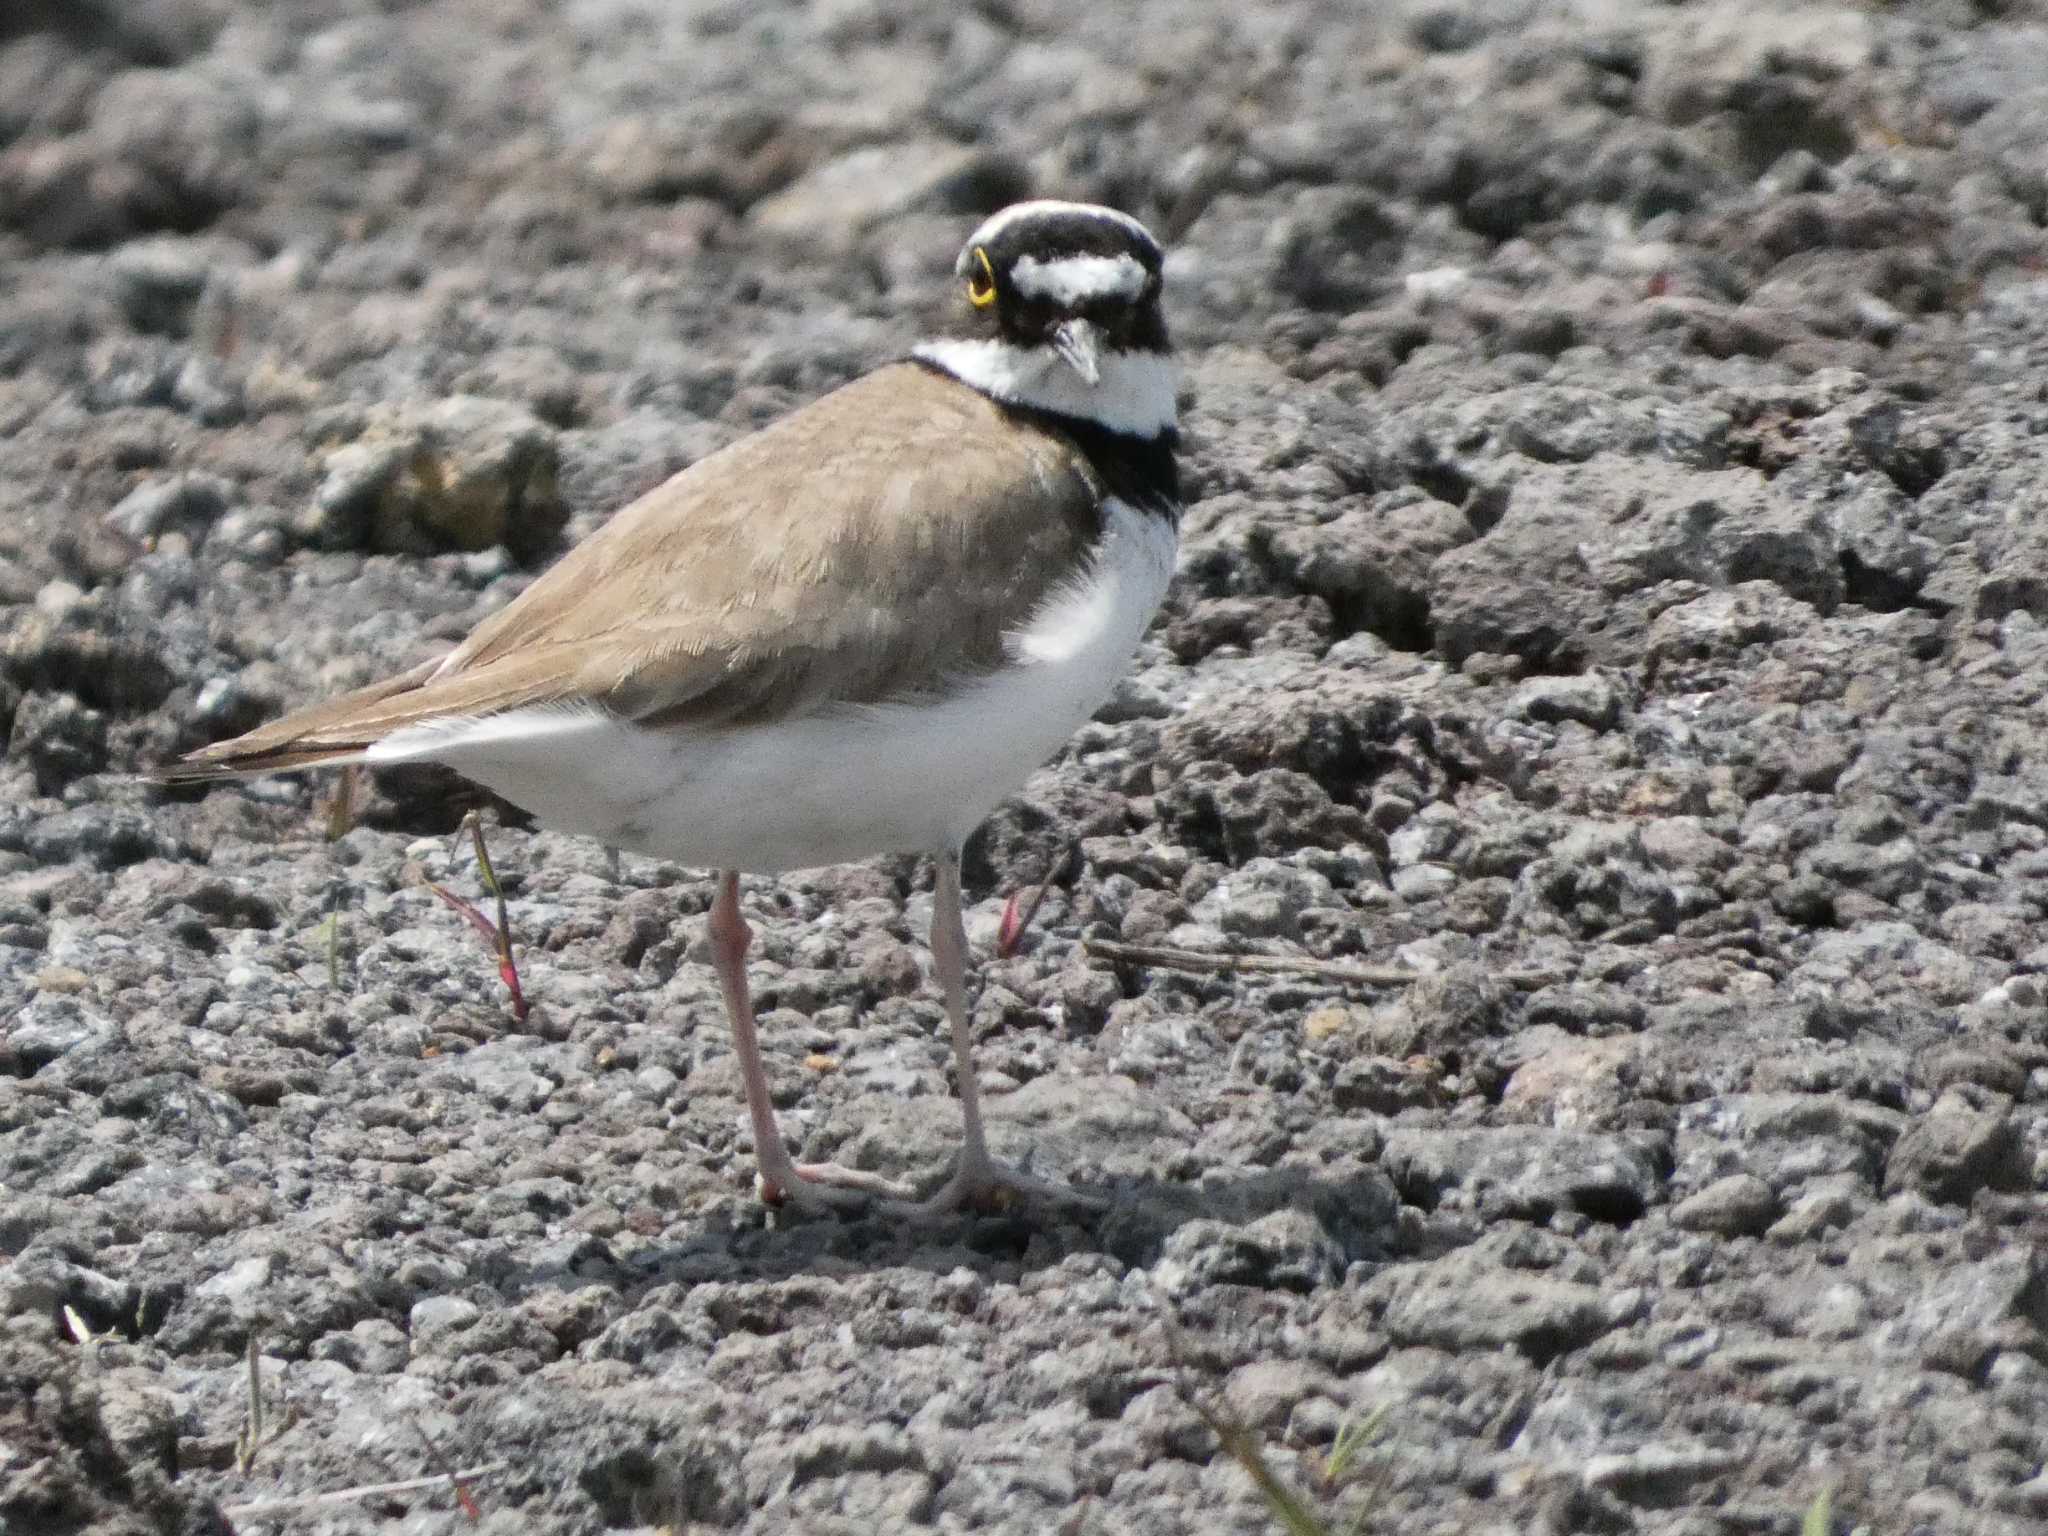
{"points": [[864, 548]]}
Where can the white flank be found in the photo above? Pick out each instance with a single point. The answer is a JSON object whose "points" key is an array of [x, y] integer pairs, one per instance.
{"points": [[1070, 282], [519, 729], [1135, 393], [1043, 207], [841, 784]]}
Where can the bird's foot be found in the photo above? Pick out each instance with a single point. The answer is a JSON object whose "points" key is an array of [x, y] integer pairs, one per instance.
{"points": [[983, 1184], [815, 1188], [977, 1184]]}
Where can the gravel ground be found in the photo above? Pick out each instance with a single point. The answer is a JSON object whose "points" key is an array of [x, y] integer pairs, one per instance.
{"points": [[1616, 589]]}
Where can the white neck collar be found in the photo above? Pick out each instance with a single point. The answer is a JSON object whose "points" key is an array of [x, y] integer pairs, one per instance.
{"points": [[1135, 395]]}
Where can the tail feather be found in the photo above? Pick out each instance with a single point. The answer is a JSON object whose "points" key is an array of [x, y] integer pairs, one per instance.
{"points": [[190, 770], [344, 730], [331, 734]]}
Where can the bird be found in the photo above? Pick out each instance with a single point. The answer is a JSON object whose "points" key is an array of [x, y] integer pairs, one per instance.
{"points": [[848, 634]]}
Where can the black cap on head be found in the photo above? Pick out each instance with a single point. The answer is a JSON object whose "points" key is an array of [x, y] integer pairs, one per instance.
{"points": [[1034, 266]]}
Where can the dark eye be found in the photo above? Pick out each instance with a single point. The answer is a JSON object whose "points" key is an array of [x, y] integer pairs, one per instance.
{"points": [[981, 287]]}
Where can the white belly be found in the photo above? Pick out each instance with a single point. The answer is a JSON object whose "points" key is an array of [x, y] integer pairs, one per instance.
{"points": [[832, 787]]}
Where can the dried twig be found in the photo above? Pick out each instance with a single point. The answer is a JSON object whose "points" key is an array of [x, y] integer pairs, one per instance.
{"points": [[1287, 965], [1241, 1443], [1017, 918], [252, 1439], [1352, 1440], [267, 1507], [483, 863], [1290, 1509], [328, 932], [1243, 1447], [226, 323], [499, 934], [341, 810], [1205, 961], [462, 1493]]}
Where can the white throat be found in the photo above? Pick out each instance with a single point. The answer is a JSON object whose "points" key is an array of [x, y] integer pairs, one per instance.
{"points": [[1135, 394]]}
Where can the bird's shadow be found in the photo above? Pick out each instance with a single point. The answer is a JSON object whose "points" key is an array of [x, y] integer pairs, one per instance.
{"points": [[1354, 1211]]}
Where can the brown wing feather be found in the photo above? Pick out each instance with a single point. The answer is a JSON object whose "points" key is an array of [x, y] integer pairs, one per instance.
{"points": [[853, 551], [330, 732]]}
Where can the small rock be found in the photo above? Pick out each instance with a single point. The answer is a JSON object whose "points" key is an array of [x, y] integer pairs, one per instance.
{"points": [[1287, 1250], [344, 510], [1264, 899], [1682, 844], [1830, 1207], [204, 391], [1740, 1205], [254, 534], [158, 505], [1423, 882], [1588, 698], [168, 149], [107, 837], [226, 705], [1431, 836], [834, 1450], [1968, 1313], [836, 201], [1242, 816], [1990, 1064], [242, 1283], [1135, 699], [1264, 1393], [1523, 1171], [1790, 1138], [159, 281], [59, 738], [1571, 1082], [1463, 1302], [2030, 1497], [1658, 1474], [140, 1418], [1967, 1141], [373, 1347], [57, 597], [99, 652], [461, 473], [433, 1316], [50, 1026], [1384, 1086], [41, 1281]]}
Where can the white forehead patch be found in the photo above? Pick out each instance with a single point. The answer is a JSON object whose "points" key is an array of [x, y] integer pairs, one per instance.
{"points": [[1045, 207], [1070, 281]]}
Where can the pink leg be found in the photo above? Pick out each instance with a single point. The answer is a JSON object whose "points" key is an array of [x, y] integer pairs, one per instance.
{"points": [[809, 1186], [977, 1177]]}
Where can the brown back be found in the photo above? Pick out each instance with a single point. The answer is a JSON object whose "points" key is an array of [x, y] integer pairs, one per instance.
{"points": [[862, 548]]}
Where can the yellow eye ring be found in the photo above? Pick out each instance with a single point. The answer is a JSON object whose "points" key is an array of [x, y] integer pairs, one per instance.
{"points": [[981, 287]]}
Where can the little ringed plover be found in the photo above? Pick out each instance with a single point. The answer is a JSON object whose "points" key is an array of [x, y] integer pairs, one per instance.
{"points": [[850, 633]]}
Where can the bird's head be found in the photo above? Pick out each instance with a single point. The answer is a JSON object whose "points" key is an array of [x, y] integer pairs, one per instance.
{"points": [[1077, 279]]}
